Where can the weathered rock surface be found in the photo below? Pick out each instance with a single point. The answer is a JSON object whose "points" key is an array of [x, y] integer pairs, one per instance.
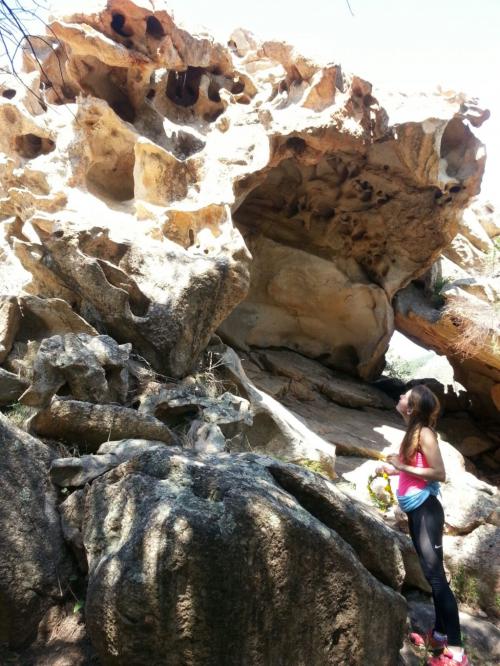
{"points": [[34, 563], [93, 368], [223, 534], [10, 316], [275, 429], [11, 387], [341, 389], [473, 562], [88, 425], [166, 135], [74, 472], [456, 314]]}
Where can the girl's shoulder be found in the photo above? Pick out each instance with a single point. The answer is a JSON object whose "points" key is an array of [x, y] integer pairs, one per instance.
{"points": [[428, 436]]}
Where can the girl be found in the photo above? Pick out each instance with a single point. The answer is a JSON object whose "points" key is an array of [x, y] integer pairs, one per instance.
{"points": [[420, 467]]}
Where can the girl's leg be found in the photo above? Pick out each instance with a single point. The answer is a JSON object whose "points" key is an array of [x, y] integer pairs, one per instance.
{"points": [[426, 529]]}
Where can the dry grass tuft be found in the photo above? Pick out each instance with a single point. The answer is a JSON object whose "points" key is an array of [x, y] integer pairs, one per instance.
{"points": [[477, 323]]}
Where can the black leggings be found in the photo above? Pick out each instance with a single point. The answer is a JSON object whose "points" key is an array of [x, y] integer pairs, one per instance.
{"points": [[426, 528]]}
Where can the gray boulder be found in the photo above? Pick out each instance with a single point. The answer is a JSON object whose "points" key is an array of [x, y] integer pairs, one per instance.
{"points": [[34, 563], [210, 560], [93, 367]]}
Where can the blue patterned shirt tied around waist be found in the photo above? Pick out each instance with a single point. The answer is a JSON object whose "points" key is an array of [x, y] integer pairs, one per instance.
{"points": [[412, 501]]}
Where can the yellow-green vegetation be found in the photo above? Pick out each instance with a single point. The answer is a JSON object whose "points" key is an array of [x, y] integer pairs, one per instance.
{"points": [[314, 466], [465, 587], [380, 502], [18, 414]]}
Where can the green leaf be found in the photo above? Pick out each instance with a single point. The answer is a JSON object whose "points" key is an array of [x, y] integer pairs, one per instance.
{"points": [[78, 606]]}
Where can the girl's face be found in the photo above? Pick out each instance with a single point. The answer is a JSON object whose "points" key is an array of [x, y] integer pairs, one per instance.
{"points": [[402, 406]]}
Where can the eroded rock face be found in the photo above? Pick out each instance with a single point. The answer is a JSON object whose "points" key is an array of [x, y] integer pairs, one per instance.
{"points": [[223, 534], [166, 134]]}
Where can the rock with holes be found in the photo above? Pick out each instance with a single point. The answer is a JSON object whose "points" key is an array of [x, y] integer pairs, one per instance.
{"points": [[89, 425], [176, 543], [162, 155], [91, 368], [34, 564], [165, 299]]}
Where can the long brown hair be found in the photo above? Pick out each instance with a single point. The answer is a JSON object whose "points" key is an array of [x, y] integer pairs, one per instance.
{"points": [[425, 410]]}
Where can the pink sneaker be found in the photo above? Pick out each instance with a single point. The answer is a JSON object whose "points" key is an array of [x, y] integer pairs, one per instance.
{"points": [[446, 659], [427, 640]]}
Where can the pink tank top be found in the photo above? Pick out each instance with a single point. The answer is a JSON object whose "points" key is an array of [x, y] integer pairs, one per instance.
{"points": [[409, 483]]}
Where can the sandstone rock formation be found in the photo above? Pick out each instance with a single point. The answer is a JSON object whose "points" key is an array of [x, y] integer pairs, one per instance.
{"points": [[156, 187], [456, 311], [168, 134]]}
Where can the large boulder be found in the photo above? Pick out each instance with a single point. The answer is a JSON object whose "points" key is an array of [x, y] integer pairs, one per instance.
{"points": [[35, 566], [231, 568]]}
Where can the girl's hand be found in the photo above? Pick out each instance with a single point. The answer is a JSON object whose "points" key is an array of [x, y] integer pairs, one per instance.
{"points": [[384, 469], [393, 459]]}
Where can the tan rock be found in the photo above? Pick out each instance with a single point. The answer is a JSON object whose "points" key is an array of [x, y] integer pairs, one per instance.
{"points": [[477, 365], [465, 254], [488, 217], [275, 430], [10, 316], [43, 317], [164, 134], [300, 301], [308, 373], [472, 229]]}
